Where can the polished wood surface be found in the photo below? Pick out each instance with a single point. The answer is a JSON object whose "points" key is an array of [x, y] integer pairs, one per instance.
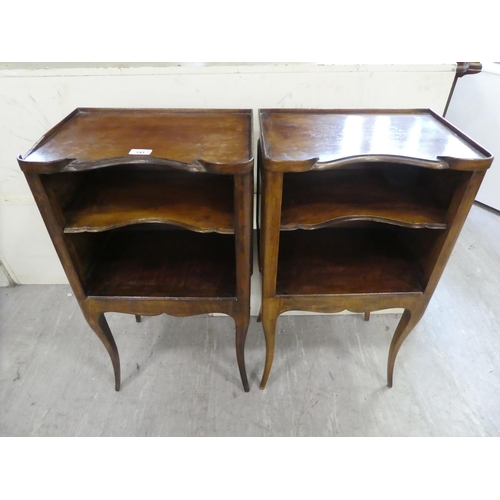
{"points": [[114, 197], [167, 232], [300, 140], [391, 194], [360, 210], [345, 261], [201, 140], [144, 263]]}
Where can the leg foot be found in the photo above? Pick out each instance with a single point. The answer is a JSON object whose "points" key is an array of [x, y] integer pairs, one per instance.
{"points": [[269, 319], [100, 326], [242, 321], [408, 321], [367, 316], [137, 318]]}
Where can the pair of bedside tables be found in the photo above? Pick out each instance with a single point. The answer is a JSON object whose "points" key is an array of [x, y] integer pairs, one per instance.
{"points": [[150, 212]]}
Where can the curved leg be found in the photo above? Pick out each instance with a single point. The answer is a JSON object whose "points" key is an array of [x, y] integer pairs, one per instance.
{"points": [[242, 321], [408, 321], [269, 319], [100, 326]]}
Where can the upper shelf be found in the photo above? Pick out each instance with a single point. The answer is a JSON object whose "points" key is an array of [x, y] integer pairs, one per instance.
{"points": [[217, 141], [113, 198], [300, 139], [405, 196]]}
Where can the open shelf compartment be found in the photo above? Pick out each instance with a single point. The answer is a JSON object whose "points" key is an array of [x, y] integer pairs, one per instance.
{"points": [[114, 197], [396, 194], [362, 259], [162, 262]]}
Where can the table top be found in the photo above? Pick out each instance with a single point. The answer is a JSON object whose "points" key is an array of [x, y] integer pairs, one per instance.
{"points": [[93, 137], [323, 136]]}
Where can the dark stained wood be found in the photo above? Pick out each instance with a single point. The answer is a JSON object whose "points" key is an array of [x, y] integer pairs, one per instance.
{"points": [[345, 261], [97, 321], [54, 220], [397, 194], [383, 195], [114, 198], [146, 235], [144, 263], [215, 141], [303, 140], [243, 196]]}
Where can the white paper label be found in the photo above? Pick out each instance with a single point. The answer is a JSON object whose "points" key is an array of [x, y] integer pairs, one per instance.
{"points": [[140, 151]]}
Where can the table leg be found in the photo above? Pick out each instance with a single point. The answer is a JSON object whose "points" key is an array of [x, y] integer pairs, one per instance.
{"points": [[269, 319], [242, 320], [408, 321], [98, 323]]}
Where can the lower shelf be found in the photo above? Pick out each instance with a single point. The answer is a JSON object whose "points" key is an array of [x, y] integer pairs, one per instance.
{"points": [[165, 263], [345, 261]]}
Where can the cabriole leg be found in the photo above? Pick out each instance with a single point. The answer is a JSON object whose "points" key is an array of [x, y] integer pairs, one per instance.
{"points": [[98, 323], [269, 319], [408, 321], [242, 321]]}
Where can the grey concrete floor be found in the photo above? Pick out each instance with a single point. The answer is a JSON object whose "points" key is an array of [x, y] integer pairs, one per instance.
{"points": [[180, 378]]}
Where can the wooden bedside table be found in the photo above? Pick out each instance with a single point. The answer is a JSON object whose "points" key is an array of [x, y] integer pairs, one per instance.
{"points": [[360, 210], [150, 212]]}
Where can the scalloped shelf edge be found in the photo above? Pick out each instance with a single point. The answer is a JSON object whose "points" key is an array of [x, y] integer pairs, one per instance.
{"points": [[365, 218], [73, 165], [109, 227], [313, 164]]}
